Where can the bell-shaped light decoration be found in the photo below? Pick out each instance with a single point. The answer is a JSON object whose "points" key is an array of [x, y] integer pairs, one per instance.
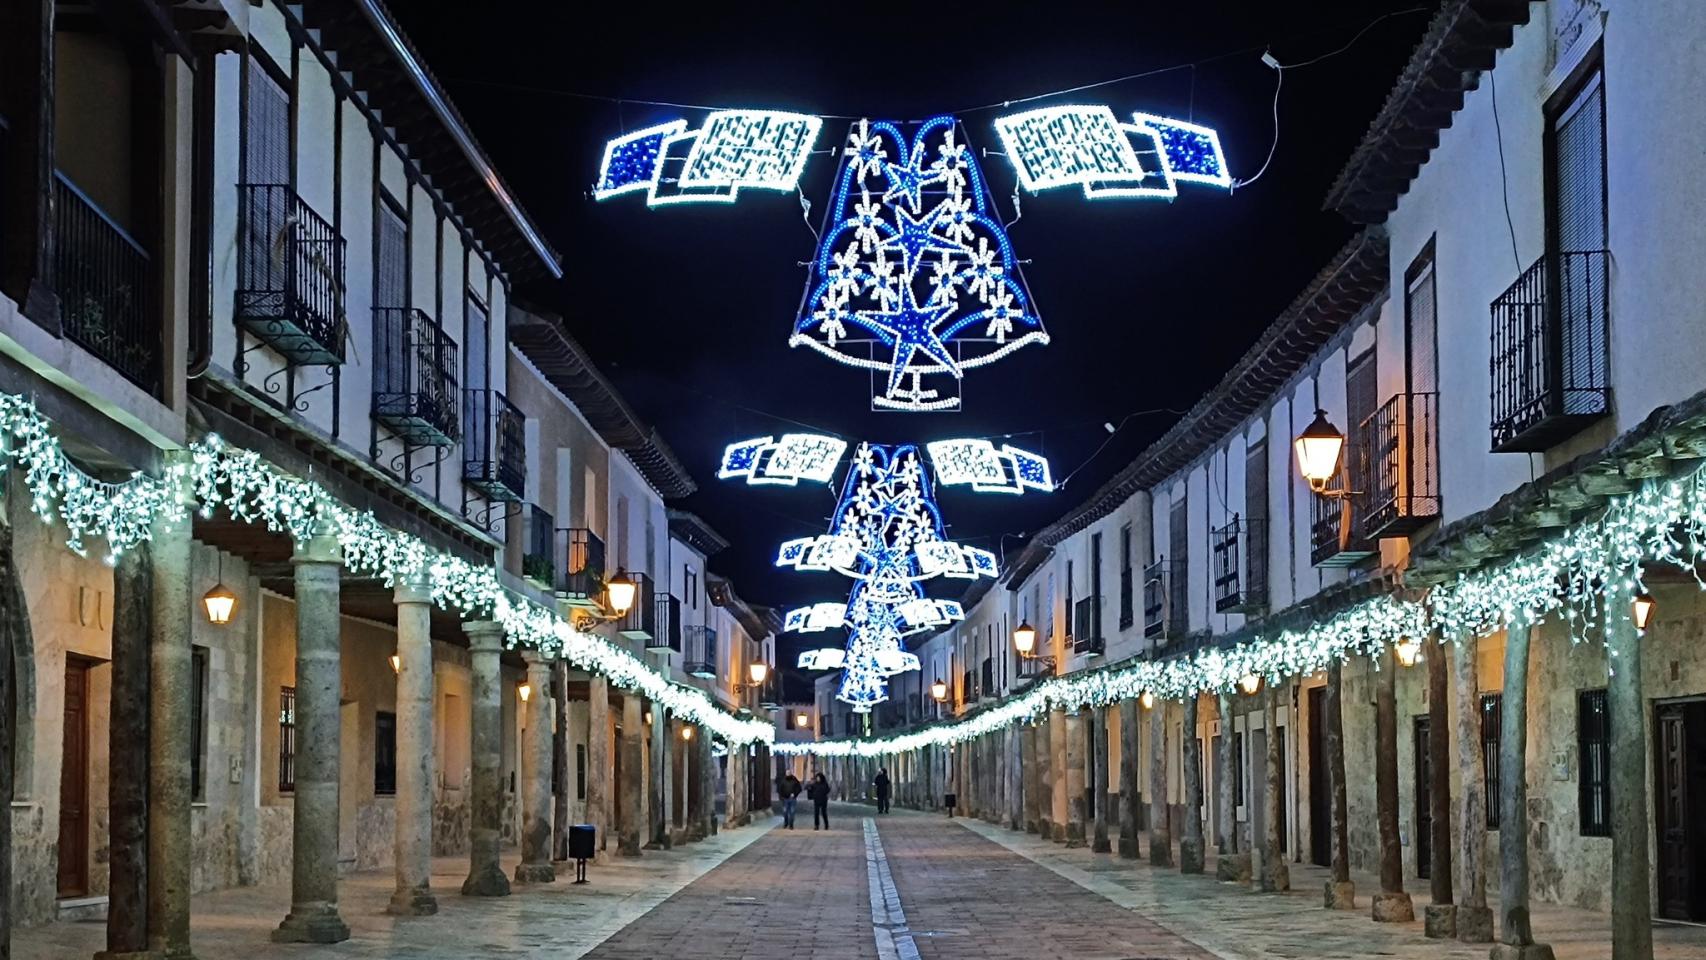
{"points": [[1318, 449], [1644, 607], [1025, 639], [621, 590]]}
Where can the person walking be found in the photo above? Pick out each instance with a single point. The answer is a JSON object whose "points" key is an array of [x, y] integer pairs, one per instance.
{"points": [[789, 787], [819, 794], [881, 782]]}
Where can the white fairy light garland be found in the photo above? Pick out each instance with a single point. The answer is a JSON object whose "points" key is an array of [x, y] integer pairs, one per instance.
{"points": [[255, 491]]}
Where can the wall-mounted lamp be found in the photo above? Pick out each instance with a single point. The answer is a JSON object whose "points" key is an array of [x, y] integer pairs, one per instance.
{"points": [[1408, 650], [1147, 700], [1250, 683], [524, 690], [938, 691], [396, 663], [1318, 449], [687, 732], [621, 590], [802, 720], [1643, 610]]}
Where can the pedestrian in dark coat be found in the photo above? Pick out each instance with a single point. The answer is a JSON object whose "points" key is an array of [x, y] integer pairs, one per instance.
{"points": [[789, 788], [819, 794], [881, 782]]}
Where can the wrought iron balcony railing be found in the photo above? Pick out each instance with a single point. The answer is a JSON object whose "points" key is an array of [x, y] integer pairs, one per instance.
{"points": [[1400, 463], [1336, 537], [414, 377], [109, 299], [1087, 627], [538, 560], [290, 275], [1240, 566], [1155, 598], [494, 448], [666, 629], [1550, 350], [640, 622], [699, 652], [581, 580]]}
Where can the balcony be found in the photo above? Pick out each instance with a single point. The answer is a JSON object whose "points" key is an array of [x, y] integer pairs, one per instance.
{"points": [[1240, 566], [581, 583], [1087, 627], [1336, 537], [290, 275], [641, 620], [414, 377], [1549, 352], [1400, 485], [667, 633], [1155, 599], [108, 301], [700, 652], [538, 559], [494, 451]]}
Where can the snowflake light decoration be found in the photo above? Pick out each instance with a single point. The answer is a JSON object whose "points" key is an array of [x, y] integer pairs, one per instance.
{"points": [[914, 278]]}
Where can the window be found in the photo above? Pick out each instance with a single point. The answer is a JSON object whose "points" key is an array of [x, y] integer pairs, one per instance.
{"points": [[266, 124], [1576, 241], [287, 740], [1178, 573], [580, 771], [1256, 524], [1593, 740], [198, 722], [1127, 616], [1490, 720], [1096, 584], [1071, 627], [690, 585], [384, 754], [1238, 769]]}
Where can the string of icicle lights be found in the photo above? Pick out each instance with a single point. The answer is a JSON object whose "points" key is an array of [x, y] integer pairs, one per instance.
{"points": [[1664, 521], [122, 515]]}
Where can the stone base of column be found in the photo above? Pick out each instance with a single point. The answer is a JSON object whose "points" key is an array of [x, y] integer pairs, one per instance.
{"points": [[1160, 850], [1232, 867], [126, 955], [1339, 895], [1276, 877], [1102, 845], [1474, 924], [1439, 921], [1191, 856], [1013, 824], [1031, 826], [535, 873], [1128, 848], [1045, 829], [1059, 835], [1523, 951], [418, 902], [312, 923], [1074, 834], [487, 882], [1393, 908], [678, 837]]}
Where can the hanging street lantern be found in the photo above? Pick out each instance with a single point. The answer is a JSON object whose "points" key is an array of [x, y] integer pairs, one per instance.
{"points": [[1643, 610], [1147, 700], [1025, 639], [621, 590], [524, 690], [1319, 448], [1250, 683], [396, 663], [1408, 650], [220, 603], [939, 691], [757, 670]]}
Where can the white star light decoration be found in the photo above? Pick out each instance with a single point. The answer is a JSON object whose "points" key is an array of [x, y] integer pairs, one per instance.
{"points": [[914, 278]]}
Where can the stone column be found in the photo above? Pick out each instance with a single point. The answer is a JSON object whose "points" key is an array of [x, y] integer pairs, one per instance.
{"points": [[1099, 783], [536, 813], [660, 772], [170, 854], [631, 791], [1439, 917], [313, 916], [1474, 919], [1340, 892], [1632, 907], [1191, 848], [1160, 834], [127, 770], [15, 636], [681, 787], [1029, 780], [1129, 798], [708, 779], [1230, 865], [1391, 904], [1075, 796], [1057, 775], [1016, 777], [415, 761], [1516, 935], [564, 763], [485, 647], [1276, 875], [598, 760]]}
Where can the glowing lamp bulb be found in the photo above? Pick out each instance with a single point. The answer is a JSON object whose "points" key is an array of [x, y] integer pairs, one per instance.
{"points": [[396, 664], [1025, 639], [524, 691], [621, 590], [220, 603], [1643, 610], [1318, 449], [1148, 700], [1250, 683], [687, 732], [758, 670], [802, 720], [939, 691], [1408, 650]]}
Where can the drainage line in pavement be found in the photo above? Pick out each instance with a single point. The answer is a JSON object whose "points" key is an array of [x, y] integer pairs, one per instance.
{"points": [[888, 920]]}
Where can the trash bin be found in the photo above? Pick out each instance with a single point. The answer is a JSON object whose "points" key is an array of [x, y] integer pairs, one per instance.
{"points": [[948, 800], [583, 846]]}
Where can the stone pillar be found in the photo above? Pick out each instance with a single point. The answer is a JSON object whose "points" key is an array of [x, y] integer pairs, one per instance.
{"points": [[171, 674], [1057, 775], [15, 636], [1191, 849], [681, 787], [1129, 798], [1391, 904], [127, 770], [1276, 875], [1076, 797], [708, 780], [660, 773], [599, 766], [1160, 834], [631, 791], [1099, 782], [1340, 892], [485, 647], [1230, 865], [313, 916], [1474, 919], [1439, 917], [1016, 777], [541, 716], [1632, 907], [563, 766], [1028, 764], [415, 742], [1516, 935]]}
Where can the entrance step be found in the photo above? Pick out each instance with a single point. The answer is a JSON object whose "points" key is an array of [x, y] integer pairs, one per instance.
{"points": [[83, 909]]}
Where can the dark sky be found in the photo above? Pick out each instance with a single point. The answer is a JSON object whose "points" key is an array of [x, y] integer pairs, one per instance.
{"points": [[689, 308]]}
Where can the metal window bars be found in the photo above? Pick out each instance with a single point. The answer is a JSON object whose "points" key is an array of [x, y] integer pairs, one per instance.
{"points": [[414, 377], [494, 450], [1548, 370], [1400, 466], [580, 580], [109, 301]]}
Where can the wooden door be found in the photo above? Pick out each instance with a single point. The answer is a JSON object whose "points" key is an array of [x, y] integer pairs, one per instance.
{"points": [[1680, 735], [1320, 790], [74, 783], [1424, 799]]}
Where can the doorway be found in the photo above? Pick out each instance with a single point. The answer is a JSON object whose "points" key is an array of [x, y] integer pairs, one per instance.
{"points": [[1680, 734], [74, 783], [1424, 799], [1320, 798]]}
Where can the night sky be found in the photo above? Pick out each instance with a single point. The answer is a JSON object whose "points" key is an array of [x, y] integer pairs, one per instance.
{"points": [[689, 308]]}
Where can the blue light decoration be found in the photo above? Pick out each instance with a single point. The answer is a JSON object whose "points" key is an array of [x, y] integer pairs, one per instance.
{"points": [[734, 150], [1086, 145], [914, 277], [887, 536]]}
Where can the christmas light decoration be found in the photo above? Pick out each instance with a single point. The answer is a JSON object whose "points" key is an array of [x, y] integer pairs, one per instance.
{"points": [[735, 149], [818, 616], [914, 277], [823, 658], [1086, 145], [1192, 151], [980, 465], [795, 457], [631, 161]]}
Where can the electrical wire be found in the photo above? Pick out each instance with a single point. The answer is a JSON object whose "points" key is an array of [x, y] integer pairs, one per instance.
{"points": [[1279, 82], [1504, 178]]}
